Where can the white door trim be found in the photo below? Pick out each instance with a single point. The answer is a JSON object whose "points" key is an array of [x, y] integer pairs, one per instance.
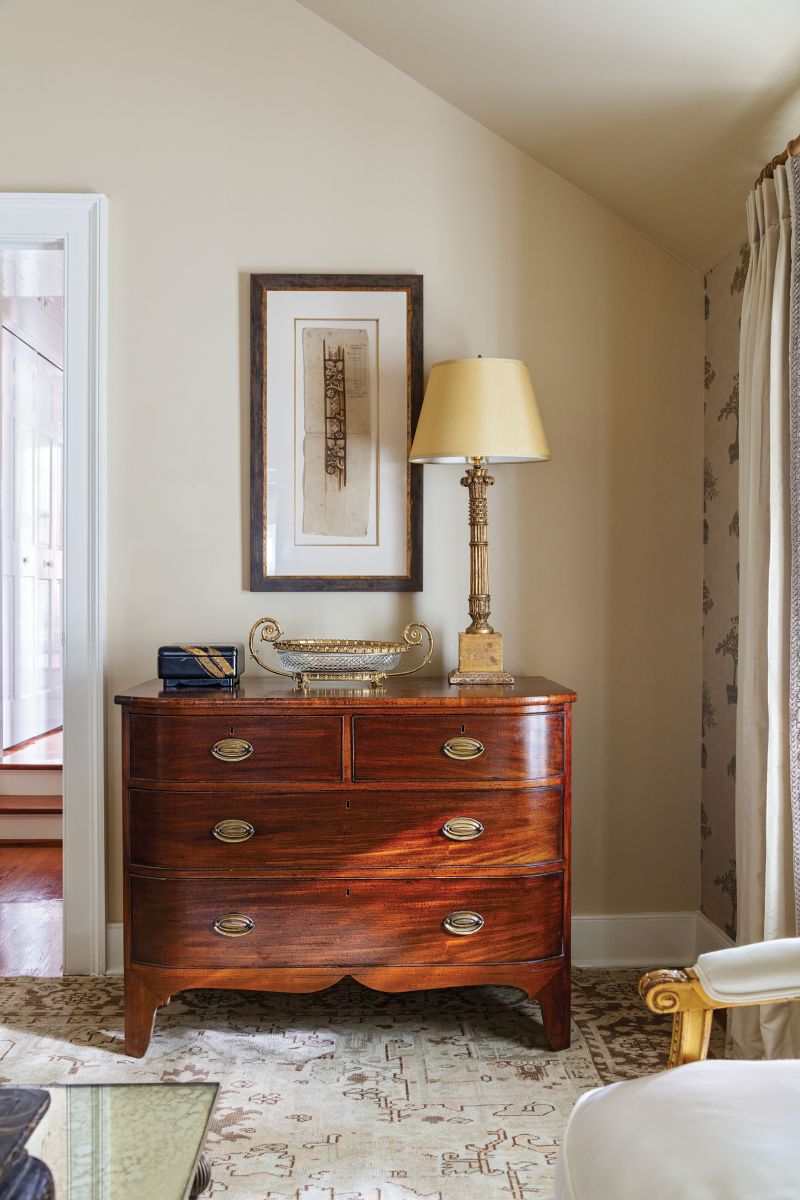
{"points": [[80, 220]]}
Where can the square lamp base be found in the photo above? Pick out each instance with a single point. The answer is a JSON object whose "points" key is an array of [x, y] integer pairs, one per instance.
{"points": [[480, 659]]}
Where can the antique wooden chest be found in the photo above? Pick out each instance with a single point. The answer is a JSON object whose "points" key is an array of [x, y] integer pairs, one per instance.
{"points": [[412, 838]]}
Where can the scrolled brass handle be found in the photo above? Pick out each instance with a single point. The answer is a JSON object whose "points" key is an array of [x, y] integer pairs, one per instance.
{"points": [[232, 750], [233, 925], [463, 922], [462, 829], [232, 831], [463, 748]]}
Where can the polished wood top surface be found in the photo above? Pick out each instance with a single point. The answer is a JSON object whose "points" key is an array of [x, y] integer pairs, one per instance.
{"points": [[421, 690]]}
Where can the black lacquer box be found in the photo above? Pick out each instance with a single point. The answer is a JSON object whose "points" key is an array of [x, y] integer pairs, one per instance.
{"points": [[201, 666]]}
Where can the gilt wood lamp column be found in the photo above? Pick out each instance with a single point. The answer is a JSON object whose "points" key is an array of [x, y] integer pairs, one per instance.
{"points": [[478, 411]]}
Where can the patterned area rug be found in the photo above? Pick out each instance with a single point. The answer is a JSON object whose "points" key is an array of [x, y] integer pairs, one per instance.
{"points": [[350, 1094]]}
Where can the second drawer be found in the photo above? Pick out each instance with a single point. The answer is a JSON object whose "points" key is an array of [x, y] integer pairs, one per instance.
{"points": [[345, 829]]}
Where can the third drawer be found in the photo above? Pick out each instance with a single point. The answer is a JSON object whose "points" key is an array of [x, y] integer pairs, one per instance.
{"points": [[346, 829], [317, 922]]}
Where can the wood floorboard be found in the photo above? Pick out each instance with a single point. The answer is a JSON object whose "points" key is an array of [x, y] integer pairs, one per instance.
{"points": [[30, 910], [29, 872], [30, 938]]}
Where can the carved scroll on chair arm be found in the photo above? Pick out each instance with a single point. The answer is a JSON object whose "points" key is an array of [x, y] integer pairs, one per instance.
{"points": [[673, 991], [680, 993]]}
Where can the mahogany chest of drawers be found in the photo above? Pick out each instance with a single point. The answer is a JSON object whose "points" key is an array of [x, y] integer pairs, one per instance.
{"points": [[412, 838]]}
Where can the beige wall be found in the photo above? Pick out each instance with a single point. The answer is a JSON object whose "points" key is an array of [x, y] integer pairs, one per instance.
{"points": [[218, 133]]}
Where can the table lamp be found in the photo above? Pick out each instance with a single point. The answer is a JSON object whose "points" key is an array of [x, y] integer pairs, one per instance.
{"points": [[478, 411]]}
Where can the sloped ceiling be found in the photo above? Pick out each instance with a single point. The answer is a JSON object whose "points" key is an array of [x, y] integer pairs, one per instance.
{"points": [[663, 112]]}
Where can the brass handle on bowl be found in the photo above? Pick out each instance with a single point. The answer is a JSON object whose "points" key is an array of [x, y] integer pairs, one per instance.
{"points": [[270, 631], [233, 925], [463, 748], [463, 922], [462, 829], [232, 750], [233, 831]]}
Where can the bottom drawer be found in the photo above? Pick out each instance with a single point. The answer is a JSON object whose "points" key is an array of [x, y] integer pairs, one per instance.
{"points": [[327, 922]]}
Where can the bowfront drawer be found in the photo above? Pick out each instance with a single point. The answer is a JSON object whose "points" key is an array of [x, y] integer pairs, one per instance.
{"points": [[458, 748], [229, 748], [349, 923], [345, 829], [217, 830]]}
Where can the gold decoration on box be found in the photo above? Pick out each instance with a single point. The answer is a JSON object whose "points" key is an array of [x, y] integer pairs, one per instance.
{"points": [[312, 660]]}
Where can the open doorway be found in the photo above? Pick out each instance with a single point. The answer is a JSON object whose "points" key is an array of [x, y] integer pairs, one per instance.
{"points": [[73, 227], [31, 605]]}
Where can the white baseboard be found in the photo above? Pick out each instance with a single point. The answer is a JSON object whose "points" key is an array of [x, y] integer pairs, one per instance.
{"points": [[672, 939], [607, 940], [33, 827], [710, 936], [115, 953]]}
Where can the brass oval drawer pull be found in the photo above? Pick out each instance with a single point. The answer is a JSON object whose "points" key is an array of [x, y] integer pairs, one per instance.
{"points": [[233, 831], [232, 750], [463, 922], [462, 748], [233, 925], [462, 829]]}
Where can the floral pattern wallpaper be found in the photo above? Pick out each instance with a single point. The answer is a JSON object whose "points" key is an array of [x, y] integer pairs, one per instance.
{"points": [[724, 286]]}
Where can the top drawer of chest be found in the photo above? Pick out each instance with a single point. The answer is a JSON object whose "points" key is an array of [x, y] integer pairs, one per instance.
{"points": [[411, 747], [230, 748]]}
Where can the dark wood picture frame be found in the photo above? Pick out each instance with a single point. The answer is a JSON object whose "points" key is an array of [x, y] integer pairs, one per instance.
{"points": [[260, 287]]}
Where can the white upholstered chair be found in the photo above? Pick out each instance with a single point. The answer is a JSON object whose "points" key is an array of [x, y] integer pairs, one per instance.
{"points": [[711, 1130]]}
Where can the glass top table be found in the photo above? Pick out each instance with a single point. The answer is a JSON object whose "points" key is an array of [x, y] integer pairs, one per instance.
{"points": [[125, 1141]]}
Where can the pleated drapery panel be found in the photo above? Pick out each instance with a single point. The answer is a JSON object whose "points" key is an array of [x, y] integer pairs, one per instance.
{"points": [[793, 176], [767, 892]]}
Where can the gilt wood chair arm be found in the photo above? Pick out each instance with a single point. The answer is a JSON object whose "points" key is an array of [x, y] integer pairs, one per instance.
{"points": [[765, 973]]}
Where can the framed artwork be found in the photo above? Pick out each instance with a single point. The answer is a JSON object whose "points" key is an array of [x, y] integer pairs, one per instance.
{"points": [[336, 389]]}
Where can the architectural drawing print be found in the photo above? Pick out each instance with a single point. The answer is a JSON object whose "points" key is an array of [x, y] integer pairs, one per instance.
{"points": [[337, 433], [335, 413]]}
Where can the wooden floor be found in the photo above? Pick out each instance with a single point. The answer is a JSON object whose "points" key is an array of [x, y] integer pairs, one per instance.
{"points": [[30, 910]]}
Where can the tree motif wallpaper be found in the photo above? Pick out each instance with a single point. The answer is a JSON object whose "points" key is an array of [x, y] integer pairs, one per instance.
{"points": [[724, 287]]}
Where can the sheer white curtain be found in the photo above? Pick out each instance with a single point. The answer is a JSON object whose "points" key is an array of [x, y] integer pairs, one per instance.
{"points": [[767, 739]]}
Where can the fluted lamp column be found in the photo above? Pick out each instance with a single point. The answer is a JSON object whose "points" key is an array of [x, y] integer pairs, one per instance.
{"points": [[479, 411]]}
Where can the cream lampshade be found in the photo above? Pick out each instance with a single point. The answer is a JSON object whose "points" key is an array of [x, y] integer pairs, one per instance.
{"points": [[477, 411], [479, 408]]}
